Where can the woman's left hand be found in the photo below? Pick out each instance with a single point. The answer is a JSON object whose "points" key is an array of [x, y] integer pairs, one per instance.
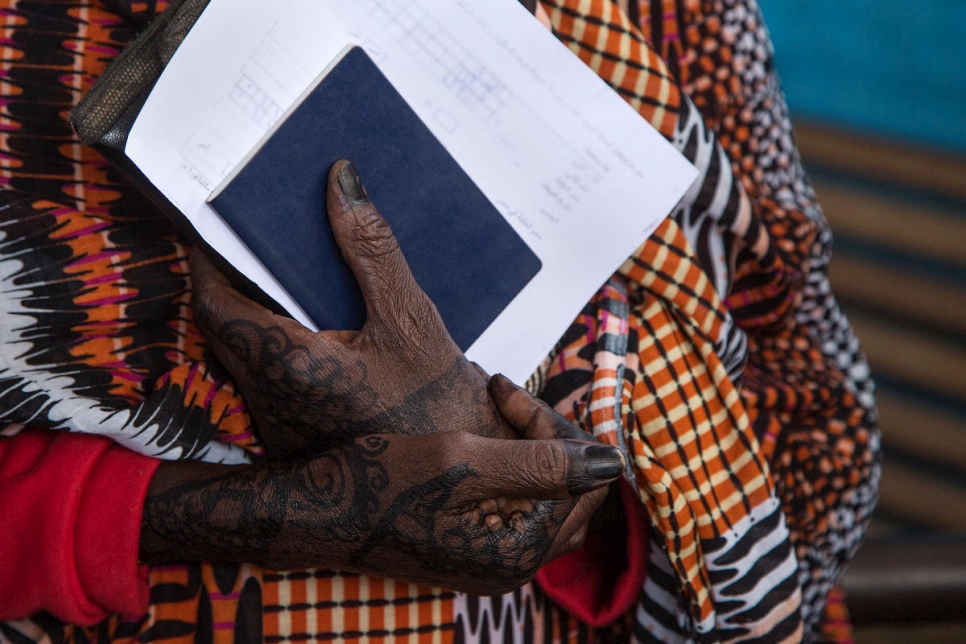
{"points": [[400, 374]]}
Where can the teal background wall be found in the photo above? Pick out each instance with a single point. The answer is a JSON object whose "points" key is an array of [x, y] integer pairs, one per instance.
{"points": [[887, 67], [894, 69]]}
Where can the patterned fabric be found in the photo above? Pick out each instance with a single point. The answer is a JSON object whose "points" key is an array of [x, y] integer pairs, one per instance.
{"points": [[716, 356], [836, 626], [758, 232]]}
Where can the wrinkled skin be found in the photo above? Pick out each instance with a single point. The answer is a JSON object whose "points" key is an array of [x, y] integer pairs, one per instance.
{"points": [[392, 455], [401, 373]]}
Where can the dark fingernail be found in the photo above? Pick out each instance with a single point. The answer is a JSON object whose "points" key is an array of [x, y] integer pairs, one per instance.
{"points": [[604, 462], [351, 184]]}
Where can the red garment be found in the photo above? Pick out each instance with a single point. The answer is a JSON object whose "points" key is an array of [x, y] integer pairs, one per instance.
{"points": [[601, 581], [71, 511], [71, 505]]}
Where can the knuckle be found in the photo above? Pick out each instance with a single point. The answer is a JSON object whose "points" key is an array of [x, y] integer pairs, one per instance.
{"points": [[373, 237], [418, 319], [416, 330], [547, 461], [452, 451], [550, 422], [540, 412]]}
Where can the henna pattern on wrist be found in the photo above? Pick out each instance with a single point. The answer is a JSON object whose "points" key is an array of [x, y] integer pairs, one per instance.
{"points": [[257, 513]]}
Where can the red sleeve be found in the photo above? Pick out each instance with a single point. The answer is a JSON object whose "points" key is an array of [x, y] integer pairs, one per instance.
{"points": [[71, 511], [601, 581]]}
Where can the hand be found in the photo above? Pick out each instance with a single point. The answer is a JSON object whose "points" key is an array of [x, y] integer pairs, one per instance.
{"points": [[474, 514], [535, 418], [400, 374]]}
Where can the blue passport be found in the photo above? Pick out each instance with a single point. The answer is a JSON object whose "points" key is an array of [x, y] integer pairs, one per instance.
{"points": [[461, 250]]}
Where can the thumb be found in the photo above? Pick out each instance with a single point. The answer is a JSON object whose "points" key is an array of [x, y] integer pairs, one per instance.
{"points": [[371, 251], [542, 469]]}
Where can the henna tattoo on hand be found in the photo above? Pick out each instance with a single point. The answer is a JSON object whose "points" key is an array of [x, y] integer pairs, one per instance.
{"points": [[420, 523], [376, 485], [358, 507], [306, 399]]}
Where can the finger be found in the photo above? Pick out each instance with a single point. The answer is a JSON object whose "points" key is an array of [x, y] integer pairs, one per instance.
{"points": [[220, 311], [538, 469], [205, 277], [371, 251], [480, 370], [575, 528], [532, 417], [214, 298]]}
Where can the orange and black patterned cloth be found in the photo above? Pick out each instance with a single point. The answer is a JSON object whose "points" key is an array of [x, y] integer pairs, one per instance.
{"points": [[716, 356]]}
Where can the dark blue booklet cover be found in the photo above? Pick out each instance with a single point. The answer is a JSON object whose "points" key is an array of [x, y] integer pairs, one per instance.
{"points": [[462, 252]]}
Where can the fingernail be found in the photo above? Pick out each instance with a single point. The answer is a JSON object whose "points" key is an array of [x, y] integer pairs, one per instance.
{"points": [[604, 462], [351, 184]]}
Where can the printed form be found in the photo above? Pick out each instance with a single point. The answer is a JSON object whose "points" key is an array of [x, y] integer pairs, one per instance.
{"points": [[580, 176]]}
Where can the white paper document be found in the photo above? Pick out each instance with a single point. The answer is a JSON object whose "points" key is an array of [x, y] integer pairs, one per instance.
{"points": [[580, 176]]}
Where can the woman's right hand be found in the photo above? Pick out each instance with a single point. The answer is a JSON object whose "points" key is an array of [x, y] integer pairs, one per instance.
{"points": [[469, 513]]}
